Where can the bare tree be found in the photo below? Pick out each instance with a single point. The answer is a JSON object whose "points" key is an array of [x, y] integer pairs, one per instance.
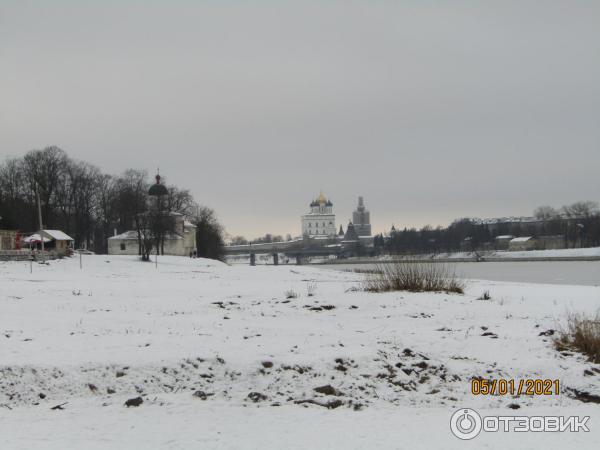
{"points": [[106, 213], [180, 200], [545, 212], [209, 234], [44, 170], [13, 202], [131, 204], [239, 240], [582, 210], [77, 198]]}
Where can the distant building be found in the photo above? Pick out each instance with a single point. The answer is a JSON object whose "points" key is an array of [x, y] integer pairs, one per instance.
{"points": [[522, 243], [351, 235], [502, 241], [361, 218], [320, 221], [178, 243], [8, 239], [551, 242], [11, 246], [56, 241], [466, 245]]}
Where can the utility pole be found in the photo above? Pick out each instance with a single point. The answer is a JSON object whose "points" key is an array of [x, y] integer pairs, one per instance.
{"points": [[37, 196]]}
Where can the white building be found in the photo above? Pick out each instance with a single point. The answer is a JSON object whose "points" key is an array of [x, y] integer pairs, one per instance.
{"points": [[522, 243], [182, 242], [320, 221], [59, 242]]}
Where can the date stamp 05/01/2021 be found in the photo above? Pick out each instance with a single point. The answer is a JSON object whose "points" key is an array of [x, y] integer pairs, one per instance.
{"points": [[504, 386]]}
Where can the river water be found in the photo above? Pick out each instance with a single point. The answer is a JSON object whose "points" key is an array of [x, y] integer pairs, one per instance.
{"points": [[586, 273]]}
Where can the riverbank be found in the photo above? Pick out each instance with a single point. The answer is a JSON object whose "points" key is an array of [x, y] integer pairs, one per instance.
{"points": [[568, 254]]}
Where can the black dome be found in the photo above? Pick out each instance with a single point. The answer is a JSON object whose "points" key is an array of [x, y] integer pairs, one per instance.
{"points": [[157, 189]]}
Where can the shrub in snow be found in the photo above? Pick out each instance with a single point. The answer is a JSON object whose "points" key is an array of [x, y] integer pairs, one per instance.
{"points": [[582, 334], [413, 277], [291, 294], [485, 296]]}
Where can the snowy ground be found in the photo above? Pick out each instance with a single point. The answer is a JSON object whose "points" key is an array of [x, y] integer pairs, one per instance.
{"points": [[399, 364], [560, 253]]}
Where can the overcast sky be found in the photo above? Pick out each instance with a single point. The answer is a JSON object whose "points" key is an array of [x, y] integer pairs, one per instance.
{"points": [[430, 110]]}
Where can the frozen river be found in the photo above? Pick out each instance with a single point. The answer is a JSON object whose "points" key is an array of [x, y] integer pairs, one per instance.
{"points": [[585, 273]]}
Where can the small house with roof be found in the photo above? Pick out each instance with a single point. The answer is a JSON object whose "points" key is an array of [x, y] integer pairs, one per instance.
{"points": [[56, 241], [522, 243], [501, 242]]}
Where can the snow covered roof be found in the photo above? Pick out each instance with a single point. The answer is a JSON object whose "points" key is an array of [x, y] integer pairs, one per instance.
{"points": [[521, 239], [34, 238], [131, 235], [187, 224], [505, 236], [497, 220], [128, 235], [58, 235]]}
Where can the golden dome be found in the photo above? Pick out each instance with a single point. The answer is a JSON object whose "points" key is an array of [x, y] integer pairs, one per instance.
{"points": [[321, 198]]}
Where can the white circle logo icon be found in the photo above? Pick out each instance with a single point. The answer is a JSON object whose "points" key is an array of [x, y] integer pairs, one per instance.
{"points": [[465, 424]]}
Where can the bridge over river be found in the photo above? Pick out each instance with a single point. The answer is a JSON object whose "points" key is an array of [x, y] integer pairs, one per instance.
{"points": [[300, 249]]}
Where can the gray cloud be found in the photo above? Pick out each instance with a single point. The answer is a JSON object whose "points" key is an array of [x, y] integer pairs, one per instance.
{"points": [[431, 110]]}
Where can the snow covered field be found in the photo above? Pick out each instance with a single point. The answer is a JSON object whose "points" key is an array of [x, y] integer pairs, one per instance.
{"points": [[230, 356]]}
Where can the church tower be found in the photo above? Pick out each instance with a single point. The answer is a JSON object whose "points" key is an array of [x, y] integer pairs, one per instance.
{"points": [[320, 221], [361, 219]]}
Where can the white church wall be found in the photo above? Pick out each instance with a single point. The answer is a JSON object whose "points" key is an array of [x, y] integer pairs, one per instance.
{"points": [[320, 221]]}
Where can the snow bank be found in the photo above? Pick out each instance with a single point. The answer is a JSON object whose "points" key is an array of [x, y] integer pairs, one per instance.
{"points": [[562, 253], [121, 328]]}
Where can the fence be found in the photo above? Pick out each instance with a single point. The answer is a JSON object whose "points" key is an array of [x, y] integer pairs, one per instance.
{"points": [[25, 255]]}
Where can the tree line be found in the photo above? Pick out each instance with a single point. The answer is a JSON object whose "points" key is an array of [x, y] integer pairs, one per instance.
{"points": [[77, 198], [578, 225], [267, 238]]}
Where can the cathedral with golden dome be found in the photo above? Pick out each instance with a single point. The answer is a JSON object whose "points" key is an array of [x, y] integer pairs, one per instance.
{"points": [[320, 221]]}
